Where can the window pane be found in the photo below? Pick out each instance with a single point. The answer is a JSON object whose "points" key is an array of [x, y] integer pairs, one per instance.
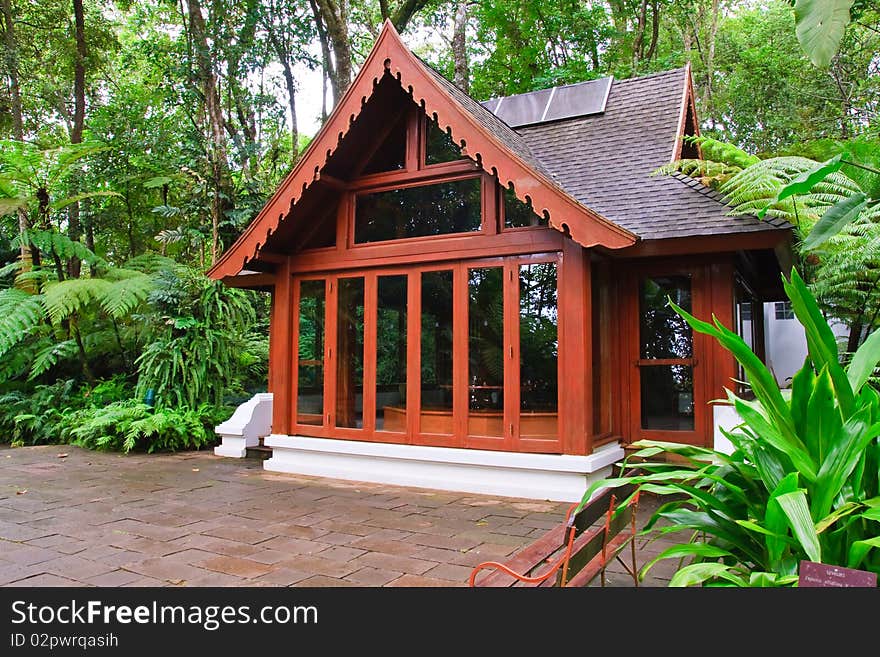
{"points": [[391, 354], [539, 350], [667, 397], [664, 333], [310, 381], [486, 352], [391, 153], [350, 353], [436, 352], [518, 214], [439, 145], [452, 207]]}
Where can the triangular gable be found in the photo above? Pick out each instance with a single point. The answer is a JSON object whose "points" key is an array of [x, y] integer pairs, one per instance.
{"points": [[478, 141], [687, 121]]}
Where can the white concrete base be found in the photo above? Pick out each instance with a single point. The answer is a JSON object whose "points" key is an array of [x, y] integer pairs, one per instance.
{"points": [[251, 421], [562, 478]]}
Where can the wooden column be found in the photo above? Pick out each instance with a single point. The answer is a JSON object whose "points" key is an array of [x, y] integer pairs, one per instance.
{"points": [[281, 350], [575, 342]]}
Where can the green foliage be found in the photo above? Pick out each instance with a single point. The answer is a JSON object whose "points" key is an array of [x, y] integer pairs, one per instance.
{"points": [[820, 25], [197, 349], [802, 481], [130, 424]]}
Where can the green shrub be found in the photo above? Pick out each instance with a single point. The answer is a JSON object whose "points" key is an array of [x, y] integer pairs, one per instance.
{"points": [[802, 482], [131, 424]]}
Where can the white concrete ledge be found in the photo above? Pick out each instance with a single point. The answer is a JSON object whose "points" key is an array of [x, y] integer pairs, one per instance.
{"points": [[251, 421], [534, 476]]}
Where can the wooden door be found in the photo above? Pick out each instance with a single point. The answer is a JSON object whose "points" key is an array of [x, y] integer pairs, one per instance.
{"points": [[668, 395]]}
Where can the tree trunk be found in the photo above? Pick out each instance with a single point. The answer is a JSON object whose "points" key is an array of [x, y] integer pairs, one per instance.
{"points": [[11, 59], [74, 229], [459, 47], [331, 17], [290, 83], [217, 142]]}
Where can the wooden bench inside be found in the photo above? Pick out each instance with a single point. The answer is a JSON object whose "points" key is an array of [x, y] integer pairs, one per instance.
{"points": [[577, 551]]}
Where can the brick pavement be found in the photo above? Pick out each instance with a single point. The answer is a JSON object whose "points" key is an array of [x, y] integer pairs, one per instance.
{"points": [[194, 519]]}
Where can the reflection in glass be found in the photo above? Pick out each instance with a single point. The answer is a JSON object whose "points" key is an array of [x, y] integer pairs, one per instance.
{"points": [[310, 381], [391, 353], [436, 351], [518, 214], [486, 352], [441, 209], [391, 153], [439, 146], [539, 350], [667, 397], [350, 353], [664, 333]]}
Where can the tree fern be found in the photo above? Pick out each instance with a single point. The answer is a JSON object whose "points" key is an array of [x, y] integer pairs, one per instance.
{"points": [[119, 297], [20, 314], [65, 298], [51, 355]]}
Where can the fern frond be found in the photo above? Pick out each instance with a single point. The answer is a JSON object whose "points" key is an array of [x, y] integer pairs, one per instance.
{"points": [[20, 314], [50, 356], [122, 296], [63, 299], [722, 152]]}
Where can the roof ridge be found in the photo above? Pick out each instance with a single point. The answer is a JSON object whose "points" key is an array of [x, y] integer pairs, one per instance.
{"points": [[649, 76]]}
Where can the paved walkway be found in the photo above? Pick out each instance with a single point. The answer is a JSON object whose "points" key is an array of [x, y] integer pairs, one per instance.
{"points": [[73, 517]]}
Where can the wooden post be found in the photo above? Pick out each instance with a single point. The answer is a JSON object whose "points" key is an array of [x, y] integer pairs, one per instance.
{"points": [[281, 350], [575, 362]]}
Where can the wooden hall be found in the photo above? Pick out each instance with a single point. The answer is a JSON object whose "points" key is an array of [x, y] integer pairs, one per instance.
{"points": [[473, 296]]}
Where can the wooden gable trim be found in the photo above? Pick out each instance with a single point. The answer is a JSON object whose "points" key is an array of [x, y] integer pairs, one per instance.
{"points": [[688, 102], [390, 54]]}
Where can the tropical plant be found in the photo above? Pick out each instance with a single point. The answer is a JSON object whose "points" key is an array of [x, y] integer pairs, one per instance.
{"points": [[802, 481], [131, 424]]}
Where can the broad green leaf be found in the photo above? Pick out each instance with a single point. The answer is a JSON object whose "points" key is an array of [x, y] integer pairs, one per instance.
{"points": [[801, 390], [864, 361], [823, 418], [871, 514], [792, 447], [859, 550], [805, 181], [821, 342], [700, 572], [775, 519], [819, 26], [835, 219], [798, 513], [702, 550], [836, 515], [10, 205]]}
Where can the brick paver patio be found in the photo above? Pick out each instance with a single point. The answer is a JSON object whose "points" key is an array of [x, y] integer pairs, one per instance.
{"points": [[194, 519]]}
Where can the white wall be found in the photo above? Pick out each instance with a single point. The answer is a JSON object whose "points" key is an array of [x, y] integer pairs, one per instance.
{"points": [[786, 344]]}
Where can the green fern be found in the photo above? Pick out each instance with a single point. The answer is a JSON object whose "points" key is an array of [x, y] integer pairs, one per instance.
{"points": [[65, 298], [120, 297], [20, 314], [51, 355]]}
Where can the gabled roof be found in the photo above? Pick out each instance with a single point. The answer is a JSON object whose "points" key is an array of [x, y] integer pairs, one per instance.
{"points": [[483, 137], [605, 161]]}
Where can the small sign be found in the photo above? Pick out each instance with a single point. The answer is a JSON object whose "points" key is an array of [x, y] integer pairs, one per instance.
{"points": [[821, 574]]}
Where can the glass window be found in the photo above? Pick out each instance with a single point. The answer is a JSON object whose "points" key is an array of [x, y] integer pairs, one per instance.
{"points": [[668, 397], [486, 351], [664, 333], [391, 353], [350, 353], [310, 377], [391, 153], [436, 352], [539, 350], [667, 388], [518, 214], [450, 207], [784, 310], [439, 146]]}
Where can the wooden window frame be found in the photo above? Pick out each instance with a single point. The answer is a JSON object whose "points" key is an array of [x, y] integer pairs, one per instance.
{"points": [[511, 440]]}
